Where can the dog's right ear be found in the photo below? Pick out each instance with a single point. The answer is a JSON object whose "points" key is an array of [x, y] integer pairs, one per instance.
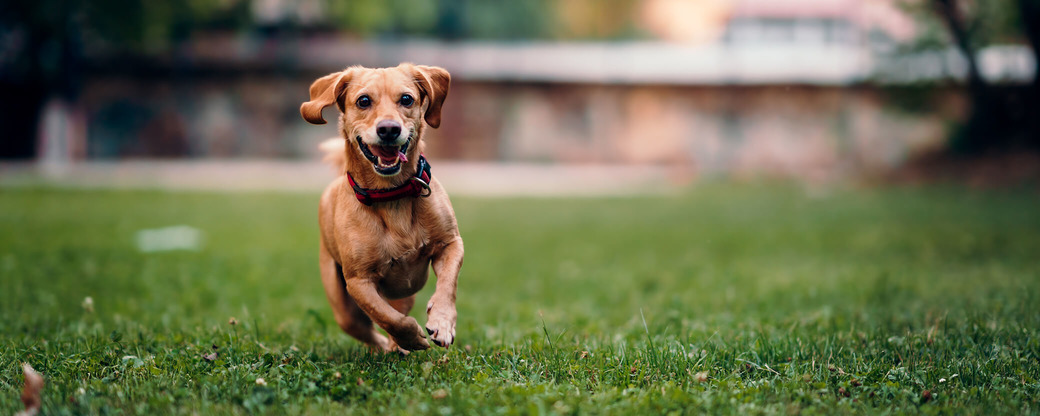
{"points": [[325, 91]]}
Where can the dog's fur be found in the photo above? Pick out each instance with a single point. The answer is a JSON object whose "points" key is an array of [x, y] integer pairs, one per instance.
{"points": [[375, 258]]}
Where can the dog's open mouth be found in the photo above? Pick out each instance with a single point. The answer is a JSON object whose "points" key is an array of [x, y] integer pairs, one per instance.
{"points": [[386, 160]]}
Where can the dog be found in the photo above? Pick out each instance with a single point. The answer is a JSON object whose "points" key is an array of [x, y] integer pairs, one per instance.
{"points": [[385, 220]]}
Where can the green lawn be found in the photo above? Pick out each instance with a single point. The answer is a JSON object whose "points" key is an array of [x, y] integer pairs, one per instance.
{"points": [[726, 300]]}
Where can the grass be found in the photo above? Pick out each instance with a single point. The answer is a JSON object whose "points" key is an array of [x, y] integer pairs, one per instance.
{"points": [[726, 300]]}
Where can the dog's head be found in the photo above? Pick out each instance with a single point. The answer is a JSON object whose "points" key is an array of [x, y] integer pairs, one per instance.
{"points": [[383, 110]]}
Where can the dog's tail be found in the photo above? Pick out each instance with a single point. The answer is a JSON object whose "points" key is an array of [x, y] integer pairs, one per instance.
{"points": [[335, 153]]}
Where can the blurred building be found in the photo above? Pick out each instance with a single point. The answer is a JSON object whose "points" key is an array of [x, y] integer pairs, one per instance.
{"points": [[777, 21], [789, 87]]}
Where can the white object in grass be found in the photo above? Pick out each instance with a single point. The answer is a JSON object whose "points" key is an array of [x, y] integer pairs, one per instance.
{"points": [[177, 237]]}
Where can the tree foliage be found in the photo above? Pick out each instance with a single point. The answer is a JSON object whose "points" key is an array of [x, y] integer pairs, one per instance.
{"points": [[1001, 116], [987, 22]]}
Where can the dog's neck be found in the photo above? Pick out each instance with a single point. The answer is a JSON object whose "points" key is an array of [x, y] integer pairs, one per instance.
{"points": [[362, 172], [397, 216]]}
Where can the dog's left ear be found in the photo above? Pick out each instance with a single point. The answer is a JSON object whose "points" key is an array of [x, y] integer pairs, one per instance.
{"points": [[325, 91], [433, 84]]}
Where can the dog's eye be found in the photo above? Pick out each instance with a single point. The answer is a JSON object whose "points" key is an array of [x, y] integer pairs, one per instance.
{"points": [[407, 100], [364, 102]]}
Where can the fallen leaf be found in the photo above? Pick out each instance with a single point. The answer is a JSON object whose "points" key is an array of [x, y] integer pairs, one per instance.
{"points": [[926, 396], [31, 392], [440, 394], [210, 357]]}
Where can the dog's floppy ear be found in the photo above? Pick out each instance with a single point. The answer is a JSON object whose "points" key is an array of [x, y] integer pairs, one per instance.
{"points": [[433, 83], [325, 91]]}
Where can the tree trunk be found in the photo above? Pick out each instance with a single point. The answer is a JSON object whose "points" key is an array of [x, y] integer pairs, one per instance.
{"points": [[954, 20], [1029, 10], [982, 129]]}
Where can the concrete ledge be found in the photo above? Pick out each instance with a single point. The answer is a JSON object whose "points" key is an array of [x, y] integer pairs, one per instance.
{"points": [[460, 178]]}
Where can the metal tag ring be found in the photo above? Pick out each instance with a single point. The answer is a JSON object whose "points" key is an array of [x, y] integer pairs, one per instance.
{"points": [[425, 186]]}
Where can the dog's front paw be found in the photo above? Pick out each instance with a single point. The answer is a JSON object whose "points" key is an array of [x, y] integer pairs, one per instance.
{"points": [[441, 322], [409, 335]]}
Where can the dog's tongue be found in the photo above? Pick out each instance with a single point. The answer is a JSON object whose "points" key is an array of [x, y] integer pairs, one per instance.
{"points": [[388, 154], [385, 152]]}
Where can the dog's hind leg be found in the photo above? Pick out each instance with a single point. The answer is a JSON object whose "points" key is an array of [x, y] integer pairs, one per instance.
{"points": [[348, 315]]}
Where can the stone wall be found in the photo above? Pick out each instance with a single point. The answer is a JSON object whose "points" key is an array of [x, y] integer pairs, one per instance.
{"points": [[799, 131]]}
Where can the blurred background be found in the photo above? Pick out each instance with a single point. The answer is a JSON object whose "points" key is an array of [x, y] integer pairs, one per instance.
{"points": [[774, 128], [650, 91]]}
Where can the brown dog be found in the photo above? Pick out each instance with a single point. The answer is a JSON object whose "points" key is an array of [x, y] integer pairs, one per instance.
{"points": [[386, 220]]}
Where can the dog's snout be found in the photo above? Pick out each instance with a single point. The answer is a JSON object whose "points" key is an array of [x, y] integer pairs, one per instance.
{"points": [[388, 130]]}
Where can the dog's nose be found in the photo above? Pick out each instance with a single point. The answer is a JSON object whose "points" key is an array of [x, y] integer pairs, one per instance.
{"points": [[388, 130]]}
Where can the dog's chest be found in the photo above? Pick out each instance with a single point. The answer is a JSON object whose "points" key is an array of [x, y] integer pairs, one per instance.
{"points": [[404, 274], [404, 268], [393, 247], [397, 253]]}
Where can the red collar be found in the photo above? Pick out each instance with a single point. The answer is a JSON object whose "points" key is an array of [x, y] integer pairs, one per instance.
{"points": [[418, 185]]}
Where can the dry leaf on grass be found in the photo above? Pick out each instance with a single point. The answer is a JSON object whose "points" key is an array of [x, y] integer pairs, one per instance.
{"points": [[31, 392], [213, 355]]}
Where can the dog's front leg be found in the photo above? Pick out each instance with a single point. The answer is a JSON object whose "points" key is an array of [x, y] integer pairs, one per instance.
{"points": [[441, 309], [404, 329]]}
